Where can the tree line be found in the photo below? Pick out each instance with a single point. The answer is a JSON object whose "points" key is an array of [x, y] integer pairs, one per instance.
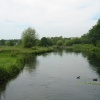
{"points": [[29, 39]]}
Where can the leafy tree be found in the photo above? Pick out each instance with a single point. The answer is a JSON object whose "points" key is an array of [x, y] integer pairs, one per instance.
{"points": [[84, 39], [68, 43], [2, 42], [9, 43], [37, 42], [28, 38], [45, 42], [76, 40], [59, 42], [93, 34], [55, 39], [98, 43], [49, 41]]}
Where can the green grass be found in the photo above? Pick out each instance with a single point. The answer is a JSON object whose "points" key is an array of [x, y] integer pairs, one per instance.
{"points": [[12, 59], [86, 48], [10, 66], [20, 50]]}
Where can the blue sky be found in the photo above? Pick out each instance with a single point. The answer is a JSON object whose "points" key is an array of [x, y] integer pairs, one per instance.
{"points": [[67, 18]]}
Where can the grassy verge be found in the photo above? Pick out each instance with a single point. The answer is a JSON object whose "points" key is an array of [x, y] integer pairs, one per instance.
{"points": [[10, 66], [86, 48], [20, 50], [12, 59]]}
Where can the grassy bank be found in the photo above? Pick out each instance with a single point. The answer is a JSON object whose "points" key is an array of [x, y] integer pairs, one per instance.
{"points": [[19, 50], [10, 66], [86, 48], [12, 59]]}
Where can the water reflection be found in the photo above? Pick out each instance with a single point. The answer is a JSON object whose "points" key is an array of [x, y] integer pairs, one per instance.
{"points": [[2, 89], [4, 85], [31, 63], [70, 50], [59, 52], [45, 54], [94, 60], [55, 75]]}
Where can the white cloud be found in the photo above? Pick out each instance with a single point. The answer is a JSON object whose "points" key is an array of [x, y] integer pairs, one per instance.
{"points": [[49, 17]]}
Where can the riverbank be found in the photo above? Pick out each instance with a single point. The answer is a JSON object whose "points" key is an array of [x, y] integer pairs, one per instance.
{"points": [[51, 75], [12, 60], [86, 48]]}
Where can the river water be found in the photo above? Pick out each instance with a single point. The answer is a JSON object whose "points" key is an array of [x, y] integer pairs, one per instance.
{"points": [[53, 76]]}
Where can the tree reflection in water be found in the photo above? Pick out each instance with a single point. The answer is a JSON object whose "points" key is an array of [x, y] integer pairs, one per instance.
{"points": [[31, 63], [94, 60]]}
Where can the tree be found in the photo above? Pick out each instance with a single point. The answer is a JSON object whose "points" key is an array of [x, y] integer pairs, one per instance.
{"points": [[2, 42], [54, 40], [98, 43], [84, 39], [45, 42], [9, 43], [93, 34], [59, 42], [28, 38], [68, 43]]}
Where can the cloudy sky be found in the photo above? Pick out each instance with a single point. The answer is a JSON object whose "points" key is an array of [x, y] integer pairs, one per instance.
{"points": [[67, 18]]}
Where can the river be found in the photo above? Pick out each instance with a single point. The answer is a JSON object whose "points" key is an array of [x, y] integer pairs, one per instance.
{"points": [[53, 76]]}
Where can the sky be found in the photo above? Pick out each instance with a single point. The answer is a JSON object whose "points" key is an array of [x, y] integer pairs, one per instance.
{"points": [[50, 18]]}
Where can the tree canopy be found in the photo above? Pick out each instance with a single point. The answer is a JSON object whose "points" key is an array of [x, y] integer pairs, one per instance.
{"points": [[28, 37], [93, 34]]}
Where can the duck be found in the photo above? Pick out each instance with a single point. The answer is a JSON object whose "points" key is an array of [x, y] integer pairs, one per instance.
{"points": [[95, 79], [78, 77]]}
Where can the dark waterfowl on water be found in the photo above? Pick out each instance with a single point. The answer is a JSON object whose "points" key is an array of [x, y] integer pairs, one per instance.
{"points": [[78, 77], [95, 79]]}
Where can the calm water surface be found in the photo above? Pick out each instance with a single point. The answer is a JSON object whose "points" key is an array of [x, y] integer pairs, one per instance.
{"points": [[53, 76]]}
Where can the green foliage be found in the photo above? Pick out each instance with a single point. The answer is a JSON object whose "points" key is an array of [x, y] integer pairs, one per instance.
{"points": [[84, 47], [98, 43], [12, 66], [9, 43], [72, 41], [68, 43], [12, 59], [2, 42], [45, 42], [28, 38], [94, 34], [59, 42], [55, 39]]}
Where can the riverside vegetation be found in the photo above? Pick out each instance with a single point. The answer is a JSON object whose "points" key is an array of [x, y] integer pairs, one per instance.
{"points": [[14, 52], [12, 60]]}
